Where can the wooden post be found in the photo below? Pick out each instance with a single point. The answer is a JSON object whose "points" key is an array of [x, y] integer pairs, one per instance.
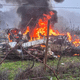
{"points": [[45, 57]]}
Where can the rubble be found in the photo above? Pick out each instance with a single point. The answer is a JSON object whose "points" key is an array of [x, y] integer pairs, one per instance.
{"points": [[33, 43], [36, 46], [12, 44]]}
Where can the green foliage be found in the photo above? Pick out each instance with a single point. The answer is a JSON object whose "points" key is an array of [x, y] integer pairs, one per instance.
{"points": [[70, 69], [53, 78], [14, 67]]}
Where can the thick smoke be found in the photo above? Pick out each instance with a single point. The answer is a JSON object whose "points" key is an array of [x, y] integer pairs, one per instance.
{"points": [[16, 1], [1, 5], [33, 9], [59, 0], [26, 1]]}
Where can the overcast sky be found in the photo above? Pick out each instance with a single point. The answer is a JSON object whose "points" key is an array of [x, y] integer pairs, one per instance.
{"points": [[70, 14], [6, 6], [68, 3]]}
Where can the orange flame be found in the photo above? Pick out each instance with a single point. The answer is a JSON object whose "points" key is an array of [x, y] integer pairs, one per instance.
{"points": [[69, 36], [58, 55], [41, 27], [9, 37], [76, 42], [40, 30], [76, 54], [27, 30], [43, 46]]}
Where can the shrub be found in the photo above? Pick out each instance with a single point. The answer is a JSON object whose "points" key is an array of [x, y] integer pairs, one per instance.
{"points": [[33, 73]]}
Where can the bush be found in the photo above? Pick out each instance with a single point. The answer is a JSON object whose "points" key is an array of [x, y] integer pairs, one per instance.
{"points": [[34, 73]]}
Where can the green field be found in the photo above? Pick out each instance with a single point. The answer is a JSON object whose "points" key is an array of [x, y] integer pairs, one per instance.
{"points": [[69, 67]]}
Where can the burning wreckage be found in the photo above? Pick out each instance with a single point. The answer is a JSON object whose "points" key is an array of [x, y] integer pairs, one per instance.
{"points": [[58, 43], [33, 39], [32, 45]]}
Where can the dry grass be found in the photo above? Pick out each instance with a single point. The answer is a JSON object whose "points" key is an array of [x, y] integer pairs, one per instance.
{"points": [[36, 72]]}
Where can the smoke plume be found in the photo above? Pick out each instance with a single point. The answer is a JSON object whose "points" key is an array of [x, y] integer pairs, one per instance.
{"points": [[33, 9], [1, 5], [59, 0]]}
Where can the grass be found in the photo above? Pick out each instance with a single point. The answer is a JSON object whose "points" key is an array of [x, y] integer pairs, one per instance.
{"points": [[14, 67]]}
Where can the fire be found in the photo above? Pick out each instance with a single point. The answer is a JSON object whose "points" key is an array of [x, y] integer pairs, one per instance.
{"points": [[58, 55], [9, 37], [13, 34], [69, 36], [41, 27], [14, 31], [76, 42], [40, 30], [54, 32], [27, 30], [76, 54], [43, 46]]}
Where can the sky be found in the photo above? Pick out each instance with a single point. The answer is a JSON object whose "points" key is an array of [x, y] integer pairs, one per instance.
{"points": [[8, 16], [71, 15], [5, 6], [68, 3]]}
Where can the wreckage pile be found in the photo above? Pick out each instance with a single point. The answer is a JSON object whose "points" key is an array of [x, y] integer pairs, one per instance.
{"points": [[31, 37], [36, 47], [56, 46]]}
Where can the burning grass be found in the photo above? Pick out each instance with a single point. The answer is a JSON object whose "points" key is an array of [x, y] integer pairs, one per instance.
{"points": [[69, 68]]}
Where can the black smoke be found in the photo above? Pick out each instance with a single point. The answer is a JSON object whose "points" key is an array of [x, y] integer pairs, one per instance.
{"points": [[1, 5], [33, 9], [59, 0], [16, 1]]}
